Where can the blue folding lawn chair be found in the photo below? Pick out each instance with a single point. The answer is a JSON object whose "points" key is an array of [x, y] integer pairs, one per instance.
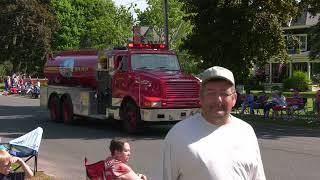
{"points": [[26, 146]]}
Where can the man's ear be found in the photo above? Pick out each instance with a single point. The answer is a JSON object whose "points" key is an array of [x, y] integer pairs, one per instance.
{"points": [[235, 97]]}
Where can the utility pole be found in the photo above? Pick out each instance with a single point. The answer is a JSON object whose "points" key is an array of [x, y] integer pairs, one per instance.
{"points": [[165, 11]]}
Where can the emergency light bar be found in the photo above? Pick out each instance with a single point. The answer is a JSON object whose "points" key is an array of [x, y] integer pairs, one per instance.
{"points": [[146, 46]]}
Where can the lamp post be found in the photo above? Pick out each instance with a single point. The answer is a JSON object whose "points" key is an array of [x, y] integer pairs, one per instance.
{"points": [[166, 33]]}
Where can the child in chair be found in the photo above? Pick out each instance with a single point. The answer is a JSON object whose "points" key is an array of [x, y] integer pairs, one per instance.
{"points": [[5, 166]]}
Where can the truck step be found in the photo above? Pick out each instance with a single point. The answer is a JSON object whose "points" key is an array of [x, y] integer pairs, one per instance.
{"points": [[98, 116]]}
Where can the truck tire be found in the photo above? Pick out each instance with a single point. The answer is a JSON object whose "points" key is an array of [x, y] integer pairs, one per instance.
{"points": [[67, 110], [131, 118], [55, 110]]}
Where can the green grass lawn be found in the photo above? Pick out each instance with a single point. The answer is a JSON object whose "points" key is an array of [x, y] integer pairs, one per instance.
{"points": [[38, 175], [307, 94], [1, 86], [301, 120], [41, 175]]}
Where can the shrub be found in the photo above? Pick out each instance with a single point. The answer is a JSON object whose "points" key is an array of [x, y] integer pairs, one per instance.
{"points": [[2, 72], [255, 87], [276, 87], [5, 69], [316, 78], [252, 83], [299, 80]]}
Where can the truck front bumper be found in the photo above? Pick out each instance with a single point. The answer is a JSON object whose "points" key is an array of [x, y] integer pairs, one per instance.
{"points": [[157, 115]]}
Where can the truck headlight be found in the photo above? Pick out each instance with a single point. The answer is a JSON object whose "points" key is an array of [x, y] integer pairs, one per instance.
{"points": [[152, 104]]}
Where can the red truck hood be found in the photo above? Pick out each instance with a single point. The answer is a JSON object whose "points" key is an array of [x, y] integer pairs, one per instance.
{"points": [[167, 75]]}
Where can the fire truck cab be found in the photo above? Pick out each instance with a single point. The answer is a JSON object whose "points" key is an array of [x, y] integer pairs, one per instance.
{"points": [[137, 85]]}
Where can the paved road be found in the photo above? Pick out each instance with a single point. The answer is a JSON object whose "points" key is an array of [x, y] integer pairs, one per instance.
{"points": [[287, 153]]}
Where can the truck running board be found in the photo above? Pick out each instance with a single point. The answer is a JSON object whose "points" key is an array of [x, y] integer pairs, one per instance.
{"points": [[98, 116]]}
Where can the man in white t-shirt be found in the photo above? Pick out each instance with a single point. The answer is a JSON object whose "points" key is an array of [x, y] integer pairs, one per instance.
{"points": [[213, 145]]}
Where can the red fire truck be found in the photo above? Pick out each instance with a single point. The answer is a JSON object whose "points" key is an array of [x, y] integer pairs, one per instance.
{"points": [[137, 84]]}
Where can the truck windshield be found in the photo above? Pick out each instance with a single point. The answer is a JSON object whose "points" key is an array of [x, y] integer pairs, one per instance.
{"points": [[155, 61]]}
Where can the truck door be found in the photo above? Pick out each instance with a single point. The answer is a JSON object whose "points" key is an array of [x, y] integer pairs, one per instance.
{"points": [[120, 83]]}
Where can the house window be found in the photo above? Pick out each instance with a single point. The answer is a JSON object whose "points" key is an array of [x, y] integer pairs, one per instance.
{"points": [[303, 41], [291, 41]]}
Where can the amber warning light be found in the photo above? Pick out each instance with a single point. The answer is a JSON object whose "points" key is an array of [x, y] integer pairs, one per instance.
{"points": [[146, 46]]}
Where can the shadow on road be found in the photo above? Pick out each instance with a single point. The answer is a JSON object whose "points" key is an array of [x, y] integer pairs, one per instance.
{"points": [[271, 131], [18, 120]]}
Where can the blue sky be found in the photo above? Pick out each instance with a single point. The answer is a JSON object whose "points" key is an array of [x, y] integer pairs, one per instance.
{"points": [[140, 3]]}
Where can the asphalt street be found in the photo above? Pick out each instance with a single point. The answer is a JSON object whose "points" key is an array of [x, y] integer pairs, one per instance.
{"points": [[288, 153]]}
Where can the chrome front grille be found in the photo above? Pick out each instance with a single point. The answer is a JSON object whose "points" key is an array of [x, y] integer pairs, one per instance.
{"points": [[182, 104], [182, 89]]}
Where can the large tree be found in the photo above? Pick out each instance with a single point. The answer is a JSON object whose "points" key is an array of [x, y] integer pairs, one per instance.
{"points": [[91, 24], [25, 32], [237, 34]]}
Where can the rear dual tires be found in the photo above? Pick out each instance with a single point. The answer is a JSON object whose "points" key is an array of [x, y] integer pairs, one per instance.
{"points": [[67, 110], [131, 118], [61, 110], [55, 109]]}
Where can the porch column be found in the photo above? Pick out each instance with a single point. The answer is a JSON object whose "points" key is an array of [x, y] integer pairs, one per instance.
{"points": [[290, 69], [309, 70], [270, 73]]}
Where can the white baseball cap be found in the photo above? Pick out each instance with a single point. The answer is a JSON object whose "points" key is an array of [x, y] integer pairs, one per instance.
{"points": [[217, 72]]}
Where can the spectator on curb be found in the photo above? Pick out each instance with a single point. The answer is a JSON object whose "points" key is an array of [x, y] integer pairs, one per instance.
{"points": [[249, 100], [317, 104], [239, 101], [277, 103], [6, 85], [213, 144], [9, 83], [296, 102], [261, 101], [5, 167], [115, 165]]}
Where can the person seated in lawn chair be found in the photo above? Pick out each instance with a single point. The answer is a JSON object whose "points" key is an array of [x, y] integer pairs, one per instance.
{"points": [[249, 100], [296, 102], [261, 101], [317, 105], [115, 166], [6, 160], [239, 101], [277, 103], [13, 90]]}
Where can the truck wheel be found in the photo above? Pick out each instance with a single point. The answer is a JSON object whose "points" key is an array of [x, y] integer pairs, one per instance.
{"points": [[131, 118], [54, 107], [67, 110]]}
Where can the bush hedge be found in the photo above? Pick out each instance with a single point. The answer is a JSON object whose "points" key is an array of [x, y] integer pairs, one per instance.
{"points": [[299, 80]]}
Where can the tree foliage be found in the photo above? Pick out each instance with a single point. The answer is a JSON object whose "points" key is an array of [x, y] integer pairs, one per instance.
{"points": [[237, 34], [90, 24], [153, 17], [315, 42], [313, 6], [25, 32]]}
